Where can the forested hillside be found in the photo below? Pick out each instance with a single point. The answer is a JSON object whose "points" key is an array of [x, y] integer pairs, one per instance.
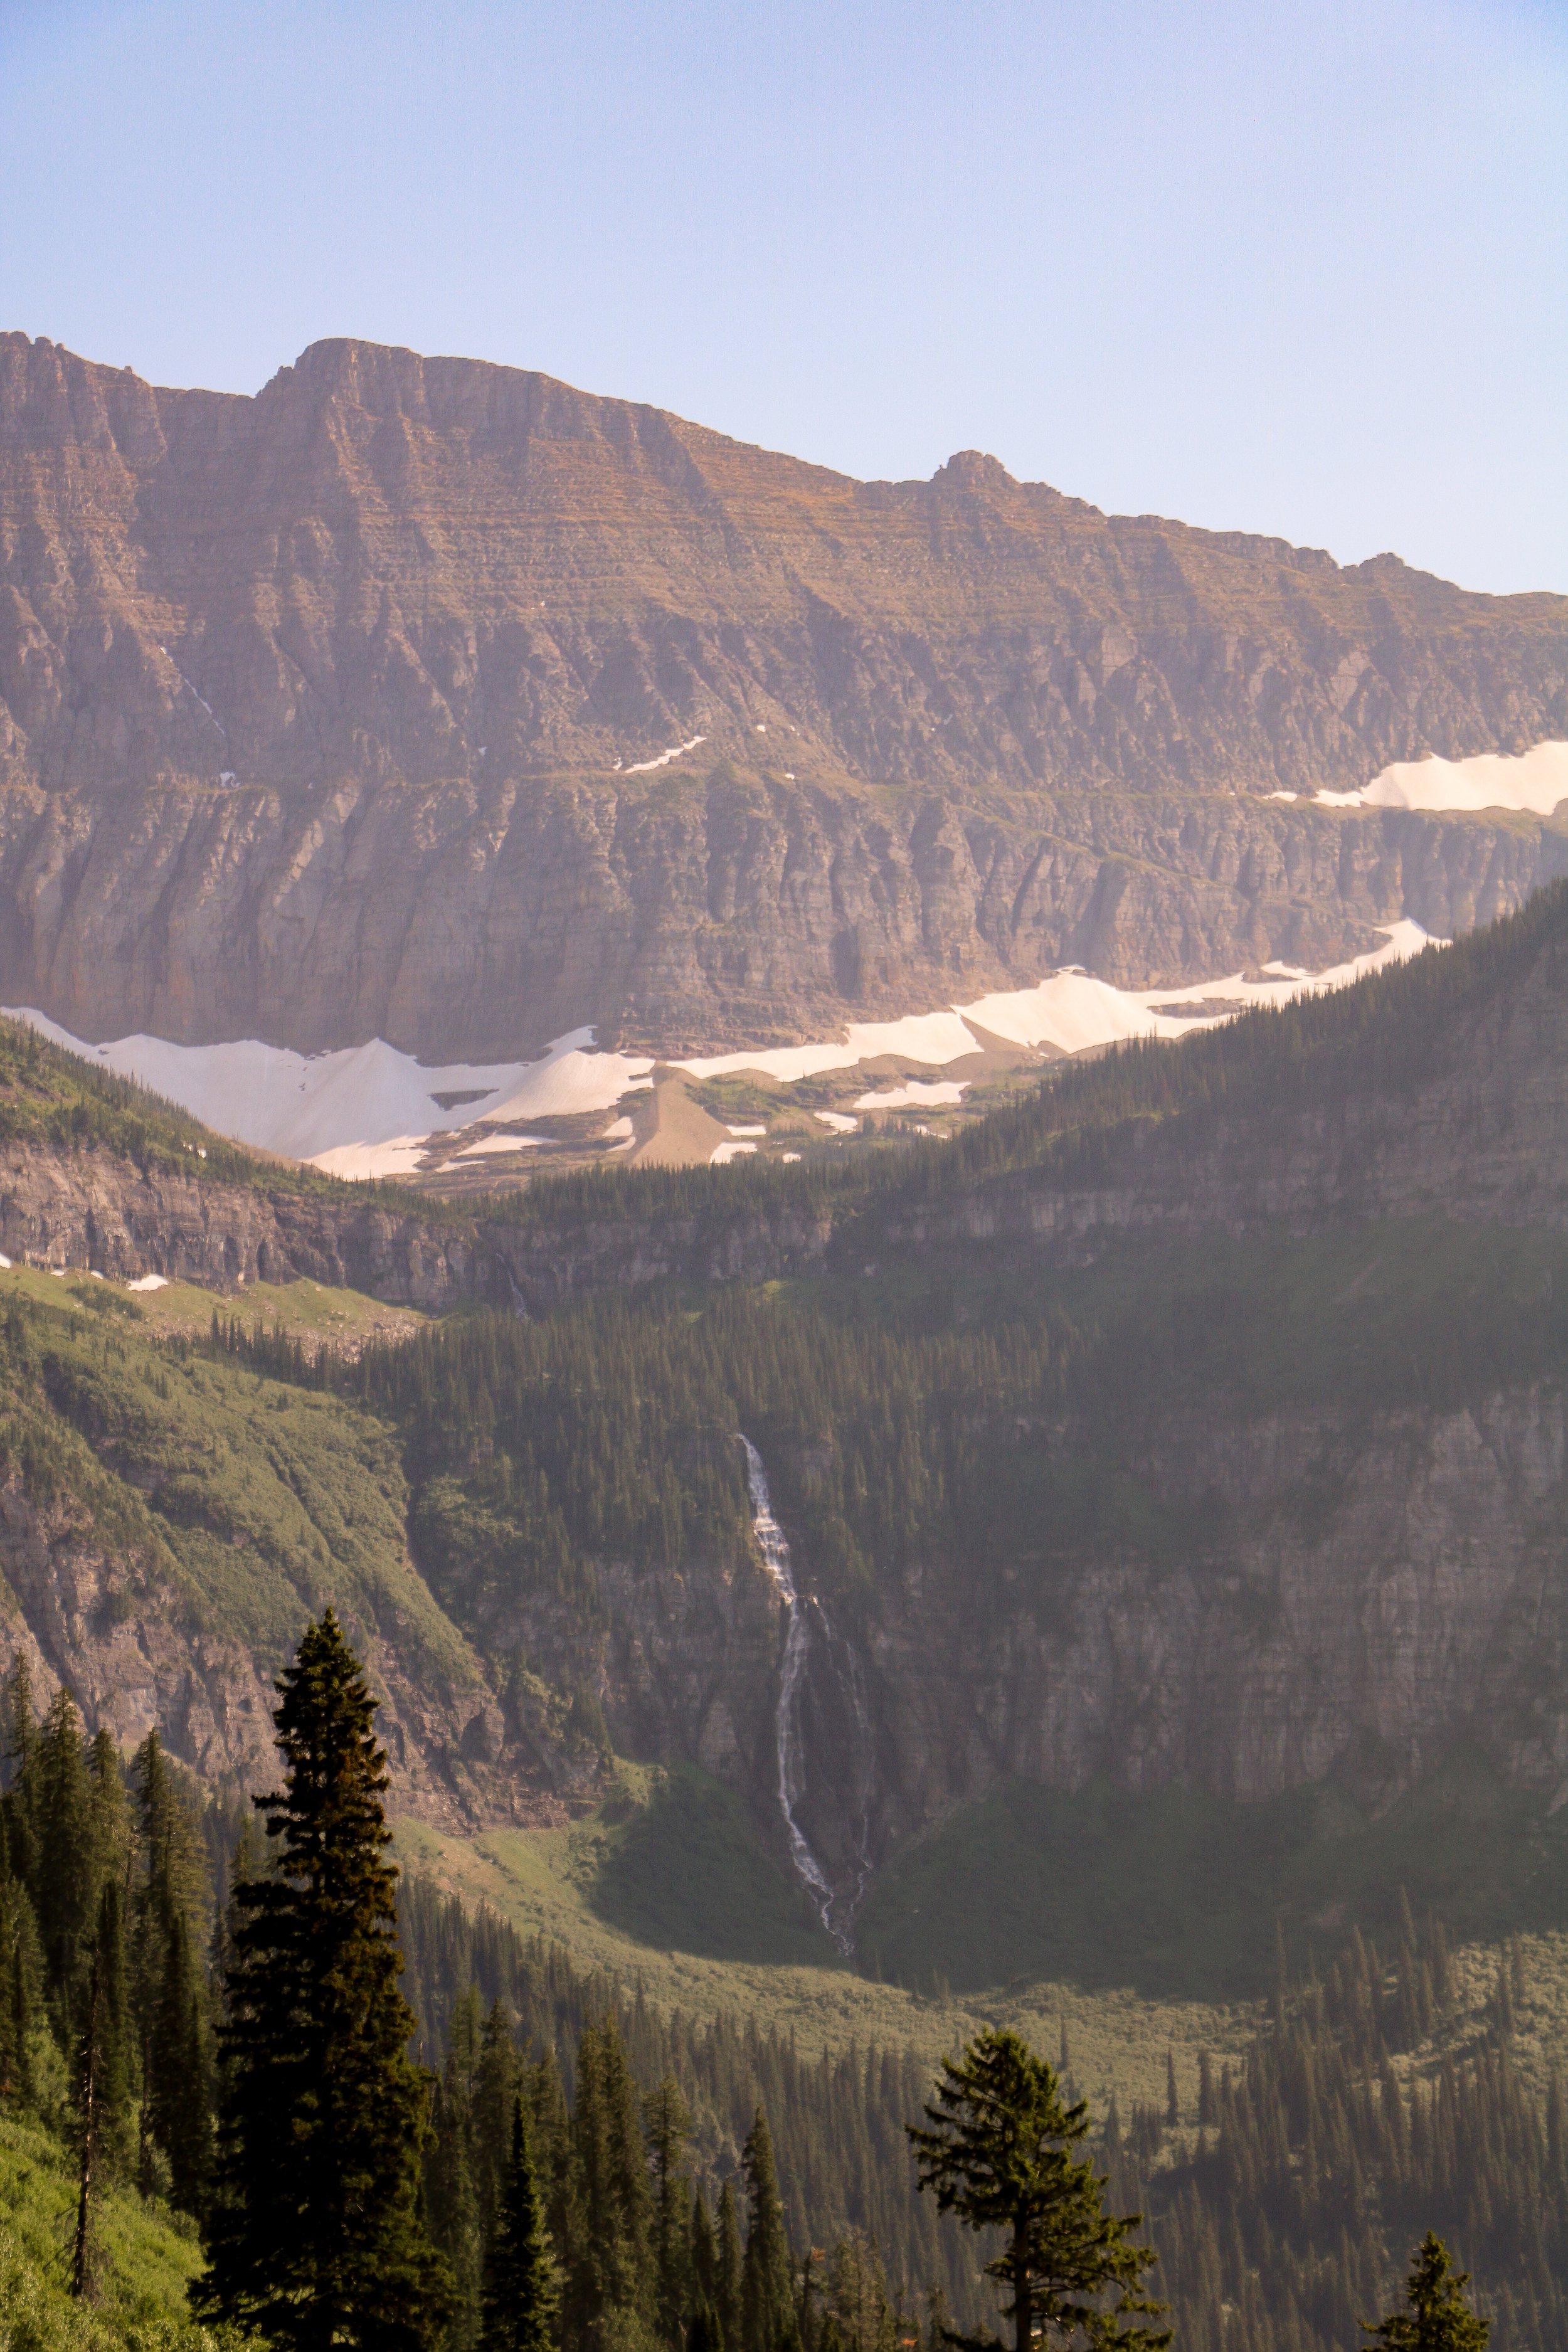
{"points": [[1175, 1579]]}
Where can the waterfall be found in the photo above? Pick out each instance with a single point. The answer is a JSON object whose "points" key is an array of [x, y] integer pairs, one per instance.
{"points": [[772, 1543], [789, 1744]]}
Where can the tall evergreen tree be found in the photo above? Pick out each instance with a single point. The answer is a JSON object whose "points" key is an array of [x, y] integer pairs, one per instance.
{"points": [[732, 2264], [21, 1751], [59, 1803], [451, 2207], [997, 2149], [496, 2076], [520, 2277], [668, 2125], [19, 1976], [179, 2099], [609, 2287], [314, 2235], [101, 2088], [768, 2322], [1436, 2317]]}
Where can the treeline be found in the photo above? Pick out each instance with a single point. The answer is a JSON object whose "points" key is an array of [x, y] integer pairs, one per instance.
{"points": [[643, 2251], [668, 2150], [116, 1926]]}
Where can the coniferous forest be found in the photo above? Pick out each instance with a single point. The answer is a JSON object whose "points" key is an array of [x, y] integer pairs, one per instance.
{"points": [[395, 2121]]}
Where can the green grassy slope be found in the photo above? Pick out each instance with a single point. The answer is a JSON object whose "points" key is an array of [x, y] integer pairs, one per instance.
{"points": [[145, 2257], [237, 1504]]}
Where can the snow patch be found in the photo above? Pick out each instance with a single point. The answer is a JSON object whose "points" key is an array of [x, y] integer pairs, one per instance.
{"points": [[1534, 783], [360, 1101], [487, 1146], [836, 1121], [723, 1152], [647, 767], [919, 1037], [928, 1092], [400, 1155], [145, 1282]]}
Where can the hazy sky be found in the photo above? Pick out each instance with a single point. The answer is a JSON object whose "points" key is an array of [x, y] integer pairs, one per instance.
{"points": [[1298, 269]]}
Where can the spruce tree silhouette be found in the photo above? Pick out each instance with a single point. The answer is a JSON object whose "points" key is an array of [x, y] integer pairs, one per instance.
{"points": [[313, 2232], [997, 2149], [1436, 2317]]}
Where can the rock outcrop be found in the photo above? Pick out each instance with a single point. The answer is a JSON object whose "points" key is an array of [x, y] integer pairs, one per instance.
{"points": [[343, 711]]}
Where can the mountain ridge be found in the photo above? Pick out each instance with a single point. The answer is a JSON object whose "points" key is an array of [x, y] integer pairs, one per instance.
{"points": [[320, 708]]}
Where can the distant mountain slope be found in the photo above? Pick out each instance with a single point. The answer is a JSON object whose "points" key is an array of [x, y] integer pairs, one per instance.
{"points": [[1439, 1086], [1435, 1087], [357, 708]]}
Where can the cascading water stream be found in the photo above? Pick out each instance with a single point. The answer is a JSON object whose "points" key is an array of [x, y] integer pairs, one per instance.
{"points": [[774, 1548]]}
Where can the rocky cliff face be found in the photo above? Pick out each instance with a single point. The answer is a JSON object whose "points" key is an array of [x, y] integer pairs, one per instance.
{"points": [[343, 711], [136, 1654], [1378, 1589], [89, 1208]]}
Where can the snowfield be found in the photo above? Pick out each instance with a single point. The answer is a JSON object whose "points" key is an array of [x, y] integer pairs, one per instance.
{"points": [[366, 1110], [369, 1110], [1534, 783]]}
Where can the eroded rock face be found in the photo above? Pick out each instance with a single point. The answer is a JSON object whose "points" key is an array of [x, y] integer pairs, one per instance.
{"points": [[1380, 1588], [90, 1209], [327, 714], [1385, 1587], [137, 1653]]}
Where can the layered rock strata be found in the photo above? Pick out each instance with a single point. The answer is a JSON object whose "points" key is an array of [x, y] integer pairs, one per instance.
{"points": [[438, 701]]}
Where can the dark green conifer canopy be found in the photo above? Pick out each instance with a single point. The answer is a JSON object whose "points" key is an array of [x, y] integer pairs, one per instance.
{"points": [[315, 2236]]}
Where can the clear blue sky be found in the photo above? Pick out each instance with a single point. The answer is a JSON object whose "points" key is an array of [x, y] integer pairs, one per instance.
{"points": [[1292, 268]]}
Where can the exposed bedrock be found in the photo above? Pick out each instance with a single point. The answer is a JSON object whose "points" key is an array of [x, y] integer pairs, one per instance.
{"points": [[464, 923], [343, 711], [91, 1209], [136, 1651], [1376, 1590]]}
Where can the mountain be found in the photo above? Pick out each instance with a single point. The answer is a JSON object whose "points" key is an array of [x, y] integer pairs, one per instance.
{"points": [[439, 701], [1178, 1455]]}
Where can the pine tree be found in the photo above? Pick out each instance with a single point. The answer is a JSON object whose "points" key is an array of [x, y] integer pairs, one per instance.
{"points": [[451, 2207], [858, 2296], [315, 2233], [610, 2285], [21, 1752], [768, 2322], [520, 2277], [668, 2128], [19, 1973], [494, 2096], [997, 2149], [1436, 2317], [88, 2118], [60, 1806], [179, 2101], [732, 2264]]}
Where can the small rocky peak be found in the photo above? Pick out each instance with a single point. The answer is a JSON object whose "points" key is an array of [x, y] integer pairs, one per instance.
{"points": [[381, 377], [973, 469]]}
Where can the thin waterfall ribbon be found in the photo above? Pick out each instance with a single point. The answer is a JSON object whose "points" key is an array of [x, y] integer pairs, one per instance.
{"points": [[774, 1549]]}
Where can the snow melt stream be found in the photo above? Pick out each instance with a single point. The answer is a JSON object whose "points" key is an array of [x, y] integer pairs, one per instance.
{"points": [[774, 1549]]}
